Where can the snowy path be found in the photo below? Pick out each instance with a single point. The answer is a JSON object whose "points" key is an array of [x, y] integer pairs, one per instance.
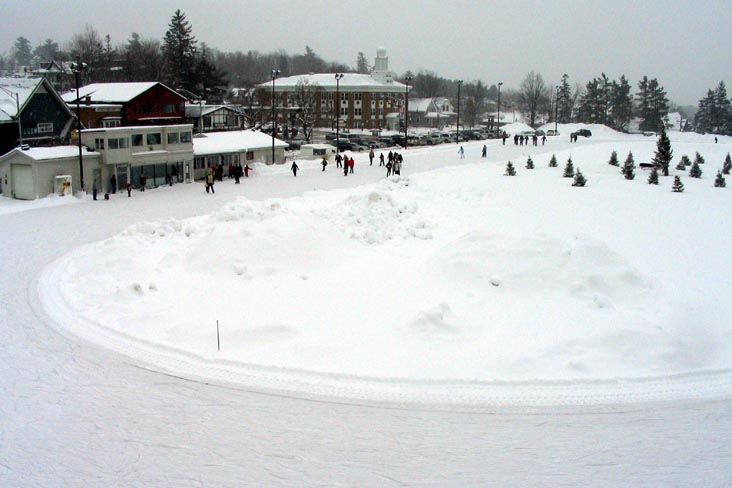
{"points": [[72, 414]]}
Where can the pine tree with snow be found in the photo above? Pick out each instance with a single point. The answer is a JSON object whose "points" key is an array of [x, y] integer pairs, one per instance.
{"points": [[720, 182], [510, 170], [677, 187], [614, 159], [553, 162], [579, 179], [695, 171], [685, 161], [569, 169], [653, 177], [663, 155], [727, 165], [529, 163], [628, 169], [698, 159]]}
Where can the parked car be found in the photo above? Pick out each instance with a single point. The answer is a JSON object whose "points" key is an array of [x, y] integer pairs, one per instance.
{"points": [[584, 132], [345, 146], [552, 132], [539, 133]]}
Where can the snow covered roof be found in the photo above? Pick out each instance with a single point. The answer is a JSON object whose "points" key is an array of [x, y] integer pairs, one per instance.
{"points": [[422, 105], [195, 110], [111, 92], [51, 152], [327, 81], [234, 141], [24, 87]]}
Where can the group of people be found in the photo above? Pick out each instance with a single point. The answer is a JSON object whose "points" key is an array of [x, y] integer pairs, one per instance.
{"points": [[345, 162], [393, 163], [520, 140]]}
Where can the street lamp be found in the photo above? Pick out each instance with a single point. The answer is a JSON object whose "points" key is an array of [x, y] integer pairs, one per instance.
{"points": [[338, 77], [78, 68], [17, 111], [457, 134], [498, 117], [556, 111], [406, 110], [275, 72]]}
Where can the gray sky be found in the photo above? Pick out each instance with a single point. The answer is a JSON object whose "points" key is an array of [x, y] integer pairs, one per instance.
{"points": [[685, 44]]}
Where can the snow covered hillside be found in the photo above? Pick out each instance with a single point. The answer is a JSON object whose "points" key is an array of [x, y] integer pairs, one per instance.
{"points": [[511, 287]]}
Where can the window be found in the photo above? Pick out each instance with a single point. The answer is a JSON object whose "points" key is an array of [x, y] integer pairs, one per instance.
{"points": [[118, 143], [358, 96], [168, 108], [153, 139], [136, 140], [250, 155], [173, 138], [344, 97], [111, 123], [44, 127], [99, 144], [344, 110], [357, 112], [147, 108], [198, 163], [185, 137], [113, 143]]}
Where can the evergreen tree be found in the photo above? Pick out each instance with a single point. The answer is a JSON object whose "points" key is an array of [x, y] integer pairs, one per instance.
{"points": [[663, 156], [48, 51], [23, 51], [685, 161], [569, 169], [652, 104], [529, 163], [362, 64], [653, 177], [682, 166], [553, 162], [579, 179], [621, 103], [695, 171], [628, 169], [727, 166], [179, 54], [510, 170], [698, 159], [565, 101], [707, 118], [677, 187], [614, 159], [719, 182]]}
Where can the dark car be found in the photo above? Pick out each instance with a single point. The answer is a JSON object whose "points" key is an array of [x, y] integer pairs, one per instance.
{"points": [[584, 132], [345, 146]]}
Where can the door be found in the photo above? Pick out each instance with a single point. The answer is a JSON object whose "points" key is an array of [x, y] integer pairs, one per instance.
{"points": [[23, 182], [121, 176]]}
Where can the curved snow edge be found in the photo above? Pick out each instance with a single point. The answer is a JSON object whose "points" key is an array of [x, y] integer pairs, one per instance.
{"points": [[703, 385]]}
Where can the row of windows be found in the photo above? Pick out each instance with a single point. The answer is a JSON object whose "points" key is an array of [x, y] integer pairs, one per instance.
{"points": [[151, 139], [168, 108]]}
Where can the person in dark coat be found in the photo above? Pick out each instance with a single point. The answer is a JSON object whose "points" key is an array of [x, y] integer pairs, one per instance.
{"points": [[381, 159], [129, 189], [113, 184], [485, 151], [504, 137], [338, 159], [388, 169], [294, 168], [324, 162], [143, 181], [371, 157]]}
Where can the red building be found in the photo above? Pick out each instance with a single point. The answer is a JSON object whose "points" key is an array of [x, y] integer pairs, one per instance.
{"points": [[127, 104]]}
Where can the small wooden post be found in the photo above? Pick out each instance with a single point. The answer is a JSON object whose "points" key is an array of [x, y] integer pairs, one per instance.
{"points": [[218, 339]]}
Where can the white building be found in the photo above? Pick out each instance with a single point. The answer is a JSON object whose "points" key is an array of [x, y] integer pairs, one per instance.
{"points": [[234, 148]]}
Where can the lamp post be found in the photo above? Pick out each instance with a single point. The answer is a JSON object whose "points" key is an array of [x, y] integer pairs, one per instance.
{"points": [[498, 117], [457, 135], [275, 72], [17, 112], [78, 68], [338, 77], [556, 112], [406, 110]]}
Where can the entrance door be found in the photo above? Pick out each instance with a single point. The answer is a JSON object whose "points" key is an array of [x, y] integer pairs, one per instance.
{"points": [[23, 182], [122, 178]]}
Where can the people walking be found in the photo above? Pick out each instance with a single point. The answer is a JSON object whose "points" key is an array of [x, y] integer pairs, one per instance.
{"points": [[294, 168], [113, 183], [485, 151], [461, 152], [143, 181], [504, 136], [324, 162], [210, 182], [381, 159], [338, 159], [351, 164], [543, 140], [388, 169], [371, 157], [94, 190], [129, 189], [246, 171]]}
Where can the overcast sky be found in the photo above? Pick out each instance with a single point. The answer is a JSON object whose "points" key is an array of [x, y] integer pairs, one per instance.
{"points": [[685, 44]]}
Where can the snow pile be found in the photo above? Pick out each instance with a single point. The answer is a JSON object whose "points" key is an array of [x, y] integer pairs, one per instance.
{"points": [[517, 128]]}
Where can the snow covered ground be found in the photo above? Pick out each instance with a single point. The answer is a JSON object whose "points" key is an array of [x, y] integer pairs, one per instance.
{"points": [[504, 286], [455, 265]]}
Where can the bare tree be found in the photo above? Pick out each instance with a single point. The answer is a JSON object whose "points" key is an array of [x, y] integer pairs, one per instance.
{"points": [[533, 95], [307, 96]]}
